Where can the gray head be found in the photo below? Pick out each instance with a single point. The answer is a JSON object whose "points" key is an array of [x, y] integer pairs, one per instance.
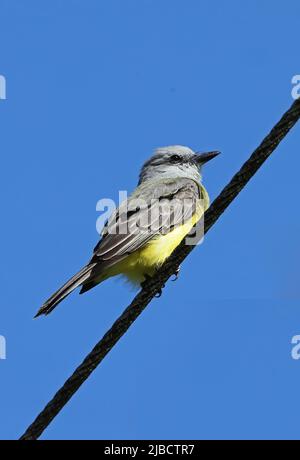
{"points": [[175, 161]]}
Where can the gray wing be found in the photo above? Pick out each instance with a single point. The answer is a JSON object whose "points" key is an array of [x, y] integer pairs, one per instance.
{"points": [[152, 209]]}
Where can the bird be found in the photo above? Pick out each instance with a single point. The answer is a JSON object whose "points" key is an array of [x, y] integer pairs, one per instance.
{"points": [[147, 227]]}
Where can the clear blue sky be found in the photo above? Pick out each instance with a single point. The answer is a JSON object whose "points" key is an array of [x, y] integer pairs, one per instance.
{"points": [[92, 88]]}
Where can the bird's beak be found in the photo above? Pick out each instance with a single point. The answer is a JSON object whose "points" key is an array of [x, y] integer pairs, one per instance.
{"points": [[202, 158]]}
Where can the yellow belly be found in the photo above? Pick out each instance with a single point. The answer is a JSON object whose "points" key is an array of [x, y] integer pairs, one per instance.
{"points": [[145, 260]]}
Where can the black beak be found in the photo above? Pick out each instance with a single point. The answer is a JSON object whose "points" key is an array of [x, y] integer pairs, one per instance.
{"points": [[202, 158]]}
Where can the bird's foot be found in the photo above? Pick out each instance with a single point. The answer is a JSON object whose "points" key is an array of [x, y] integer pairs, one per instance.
{"points": [[159, 292], [144, 283], [176, 274]]}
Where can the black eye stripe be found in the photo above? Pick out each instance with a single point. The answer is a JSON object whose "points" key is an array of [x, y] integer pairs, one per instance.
{"points": [[175, 158]]}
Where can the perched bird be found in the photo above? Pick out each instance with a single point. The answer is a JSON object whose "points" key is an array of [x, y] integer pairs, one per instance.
{"points": [[146, 228]]}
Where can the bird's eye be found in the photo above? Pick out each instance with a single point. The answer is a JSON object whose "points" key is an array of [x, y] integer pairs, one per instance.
{"points": [[175, 158]]}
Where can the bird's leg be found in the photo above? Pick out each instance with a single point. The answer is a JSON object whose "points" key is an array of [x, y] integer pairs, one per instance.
{"points": [[176, 274]]}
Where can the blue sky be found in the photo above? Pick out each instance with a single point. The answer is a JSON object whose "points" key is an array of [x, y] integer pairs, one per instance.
{"points": [[92, 88]]}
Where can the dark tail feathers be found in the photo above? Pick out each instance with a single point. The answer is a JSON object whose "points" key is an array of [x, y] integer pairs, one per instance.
{"points": [[78, 279]]}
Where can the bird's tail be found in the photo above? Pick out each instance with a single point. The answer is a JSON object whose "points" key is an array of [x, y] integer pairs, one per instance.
{"points": [[65, 290]]}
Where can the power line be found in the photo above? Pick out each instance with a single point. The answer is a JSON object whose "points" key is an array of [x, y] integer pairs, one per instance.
{"points": [[155, 284]]}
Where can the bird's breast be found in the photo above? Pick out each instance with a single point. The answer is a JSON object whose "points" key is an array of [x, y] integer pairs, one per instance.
{"points": [[147, 259]]}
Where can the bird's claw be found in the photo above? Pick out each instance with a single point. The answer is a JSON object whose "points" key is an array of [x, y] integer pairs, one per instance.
{"points": [[147, 278], [176, 274], [159, 293]]}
